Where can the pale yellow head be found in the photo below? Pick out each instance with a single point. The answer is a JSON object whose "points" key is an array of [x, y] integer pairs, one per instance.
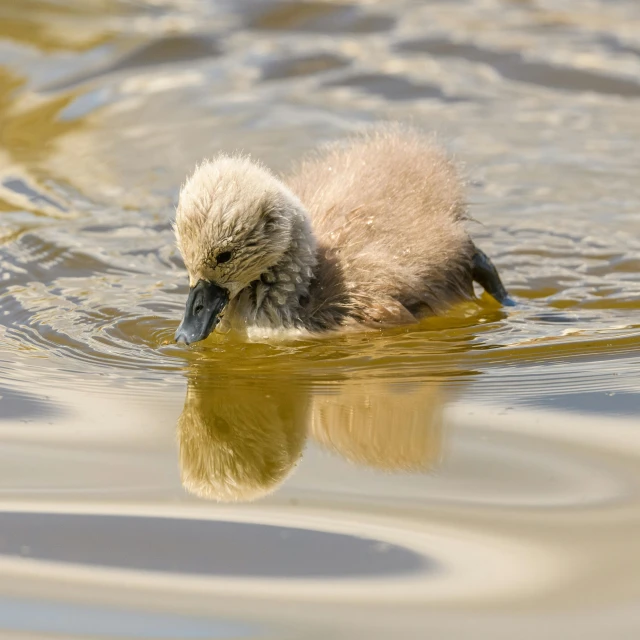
{"points": [[233, 222]]}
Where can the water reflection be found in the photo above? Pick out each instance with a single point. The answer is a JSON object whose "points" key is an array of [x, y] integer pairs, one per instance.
{"points": [[395, 427], [240, 439]]}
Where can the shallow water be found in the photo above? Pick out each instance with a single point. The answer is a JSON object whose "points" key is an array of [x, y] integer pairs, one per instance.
{"points": [[477, 475]]}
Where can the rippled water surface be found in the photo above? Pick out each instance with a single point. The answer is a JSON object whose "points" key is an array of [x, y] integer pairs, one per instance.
{"points": [[476, 476]]}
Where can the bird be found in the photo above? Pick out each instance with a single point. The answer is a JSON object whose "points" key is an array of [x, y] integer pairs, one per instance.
{"points": [[365, 233]]}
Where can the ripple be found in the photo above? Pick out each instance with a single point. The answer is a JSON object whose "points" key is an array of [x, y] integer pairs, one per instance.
{"points": [[514, 66], [314, 17], [20, 187], [596, 402], [206, 547], [162, 51], [18, 404], [297, 66], [78, 620], [391, 87], [389, 559]]}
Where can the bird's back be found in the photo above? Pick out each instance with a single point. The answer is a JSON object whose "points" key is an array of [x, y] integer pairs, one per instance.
{"points": [[388, 211]]}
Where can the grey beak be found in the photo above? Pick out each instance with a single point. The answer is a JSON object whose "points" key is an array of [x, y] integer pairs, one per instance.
{"points": [[204, 305]]}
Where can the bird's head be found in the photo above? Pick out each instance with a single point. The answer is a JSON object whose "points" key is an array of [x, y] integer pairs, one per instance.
{"points": [[234, 222]]}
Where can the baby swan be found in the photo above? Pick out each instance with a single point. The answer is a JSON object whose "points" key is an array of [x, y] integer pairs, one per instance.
{"points": [[368, 233]]}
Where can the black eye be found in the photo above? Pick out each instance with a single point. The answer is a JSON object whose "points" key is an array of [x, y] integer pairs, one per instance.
{"points": [[225, 256]]}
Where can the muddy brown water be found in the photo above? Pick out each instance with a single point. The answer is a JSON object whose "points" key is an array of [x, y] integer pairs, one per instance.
{"points": [[476, 476]]}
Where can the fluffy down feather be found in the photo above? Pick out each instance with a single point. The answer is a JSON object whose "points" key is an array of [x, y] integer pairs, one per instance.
{"points": [[367, 232]]}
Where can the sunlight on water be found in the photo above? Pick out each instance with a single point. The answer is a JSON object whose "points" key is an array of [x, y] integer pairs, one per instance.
{"points": [[480, 468]]}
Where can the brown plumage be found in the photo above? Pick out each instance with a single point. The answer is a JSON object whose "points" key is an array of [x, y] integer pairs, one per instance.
{"points": [[367, 233], [388, 212]]}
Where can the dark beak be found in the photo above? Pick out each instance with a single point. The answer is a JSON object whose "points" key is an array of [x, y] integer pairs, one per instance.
{"points": [[204, 304]]}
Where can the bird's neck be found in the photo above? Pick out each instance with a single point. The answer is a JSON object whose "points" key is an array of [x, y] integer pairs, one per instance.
{"points": [[276, 300]]}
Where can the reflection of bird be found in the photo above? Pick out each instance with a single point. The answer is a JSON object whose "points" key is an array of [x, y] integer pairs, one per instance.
{"points": [[380, 425], [369, 233], [239, 440]]}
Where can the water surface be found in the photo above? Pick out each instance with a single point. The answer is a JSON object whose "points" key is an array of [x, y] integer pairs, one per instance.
{"points": [[476, 475]]}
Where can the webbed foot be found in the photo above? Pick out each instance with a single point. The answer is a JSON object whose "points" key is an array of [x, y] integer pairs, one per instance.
{"points": [[486, 275]]}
